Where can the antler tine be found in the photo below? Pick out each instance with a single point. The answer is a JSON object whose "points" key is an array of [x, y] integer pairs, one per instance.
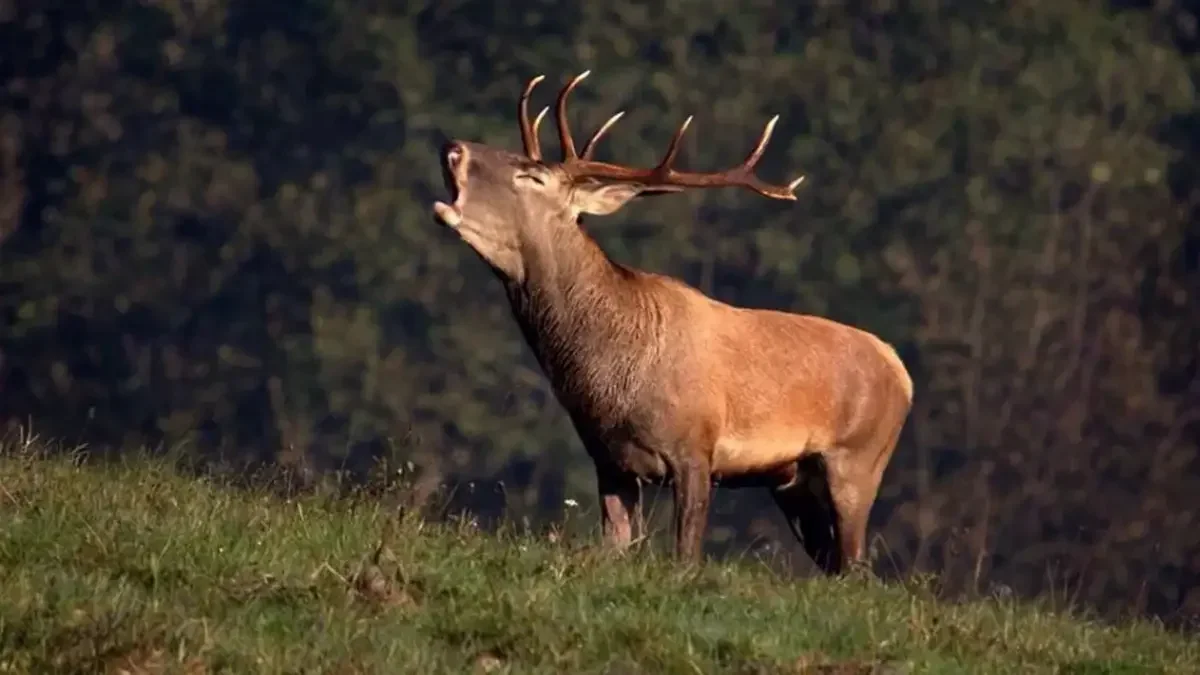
{"points": [[752, 161], [529, 132], [744, 174], [564, 127], [590, 146], [753, 157], [668, 160], [537, 121]]}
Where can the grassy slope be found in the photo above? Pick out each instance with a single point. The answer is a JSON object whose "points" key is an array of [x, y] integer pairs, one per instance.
{"points": [[138, 566]]}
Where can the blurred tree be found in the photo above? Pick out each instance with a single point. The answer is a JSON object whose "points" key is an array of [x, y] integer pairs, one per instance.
{"points": [[214, 228]]}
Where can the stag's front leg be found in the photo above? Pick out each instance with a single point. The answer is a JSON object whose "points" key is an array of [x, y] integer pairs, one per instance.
{"points": [[620, 505], [693, 490]]}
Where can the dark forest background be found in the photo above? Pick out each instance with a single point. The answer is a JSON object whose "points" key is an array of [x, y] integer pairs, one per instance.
{"points": [[215, 234]]}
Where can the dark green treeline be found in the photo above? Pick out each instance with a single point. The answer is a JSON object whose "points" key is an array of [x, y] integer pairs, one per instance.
{"points": [[216, 231]]}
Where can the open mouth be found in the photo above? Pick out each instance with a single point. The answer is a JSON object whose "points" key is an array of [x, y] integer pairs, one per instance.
{"points": [[453, 168]]}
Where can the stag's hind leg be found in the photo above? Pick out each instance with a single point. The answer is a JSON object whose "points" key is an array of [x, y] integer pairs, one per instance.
{"points": [[854, 479], [807, 504], [693, 494], [852, 493]]}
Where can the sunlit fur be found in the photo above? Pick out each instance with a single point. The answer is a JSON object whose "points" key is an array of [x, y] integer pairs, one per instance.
{"points": [[666, 384]]}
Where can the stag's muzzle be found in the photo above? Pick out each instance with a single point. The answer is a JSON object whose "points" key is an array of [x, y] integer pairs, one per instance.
{"points": [[454, 172]]}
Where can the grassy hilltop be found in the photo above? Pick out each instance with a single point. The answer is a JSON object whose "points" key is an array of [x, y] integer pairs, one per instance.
{"points": [[140, 568]]}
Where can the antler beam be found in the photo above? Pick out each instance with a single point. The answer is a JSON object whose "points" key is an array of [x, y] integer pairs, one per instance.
{"points": [[580, 166]]}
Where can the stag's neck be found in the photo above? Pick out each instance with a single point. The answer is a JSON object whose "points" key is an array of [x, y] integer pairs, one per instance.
{"points": [[591, 322]]}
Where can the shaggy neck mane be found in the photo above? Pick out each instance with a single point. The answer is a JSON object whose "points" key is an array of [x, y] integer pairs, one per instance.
{"points": [[589, 320]]}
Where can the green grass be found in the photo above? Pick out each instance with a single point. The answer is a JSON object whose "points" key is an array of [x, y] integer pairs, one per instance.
{"points": [[138, 567]]}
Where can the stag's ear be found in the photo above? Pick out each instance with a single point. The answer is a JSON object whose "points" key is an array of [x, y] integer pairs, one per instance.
{"points": [[600, 199]]}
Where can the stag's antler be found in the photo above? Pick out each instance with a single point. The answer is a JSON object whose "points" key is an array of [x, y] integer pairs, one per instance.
{"points": [[529, 131], [664, 174]]}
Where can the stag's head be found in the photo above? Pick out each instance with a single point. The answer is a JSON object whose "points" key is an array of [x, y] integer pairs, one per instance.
{"points": [[502, 202]]}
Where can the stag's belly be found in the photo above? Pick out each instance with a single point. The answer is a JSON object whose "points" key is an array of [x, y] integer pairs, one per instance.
{"points": [[764, 451]]}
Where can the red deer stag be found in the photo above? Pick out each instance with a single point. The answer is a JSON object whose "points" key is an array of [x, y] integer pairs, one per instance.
{"points": [[662, 382]]}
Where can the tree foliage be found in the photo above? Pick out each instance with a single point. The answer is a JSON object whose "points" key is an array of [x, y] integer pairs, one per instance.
{"points": [[216, 229]]}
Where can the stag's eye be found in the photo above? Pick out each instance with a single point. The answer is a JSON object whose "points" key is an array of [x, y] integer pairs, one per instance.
{"points": [[533, 177]]}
